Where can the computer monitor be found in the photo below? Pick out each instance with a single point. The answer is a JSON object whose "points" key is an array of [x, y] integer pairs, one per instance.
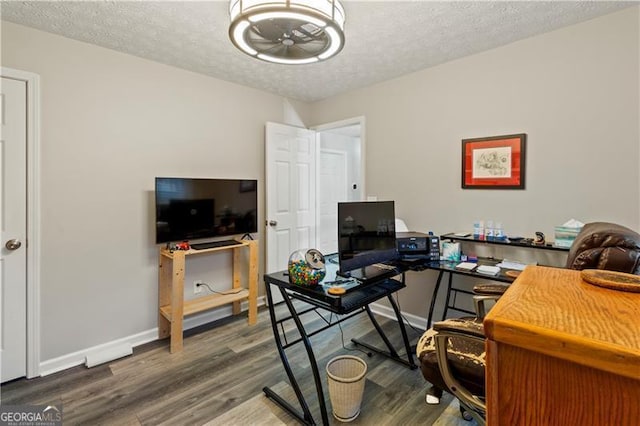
{"points": [[366, 236]]}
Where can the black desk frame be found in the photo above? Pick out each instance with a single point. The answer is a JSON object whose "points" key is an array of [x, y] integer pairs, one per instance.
{"points": [[280, 281], [449, 267]]}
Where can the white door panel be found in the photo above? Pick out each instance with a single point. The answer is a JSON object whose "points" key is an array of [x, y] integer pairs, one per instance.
{"points": [[333, 175], [290, 196], [13, 204]]}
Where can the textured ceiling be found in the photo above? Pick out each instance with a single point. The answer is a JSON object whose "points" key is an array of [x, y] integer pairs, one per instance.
{"points": [[384, 39]]}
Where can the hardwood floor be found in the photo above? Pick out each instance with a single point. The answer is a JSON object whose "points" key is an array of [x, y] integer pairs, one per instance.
{"points": [[218, 379]]}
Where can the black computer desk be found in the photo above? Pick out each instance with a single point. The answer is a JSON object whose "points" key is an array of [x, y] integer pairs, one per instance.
{"points": [[444, 267], [351, 304], [354, 302]]}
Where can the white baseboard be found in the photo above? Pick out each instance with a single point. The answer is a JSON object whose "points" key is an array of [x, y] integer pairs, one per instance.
{"points": [[115, 349], [77, 358], [100, 356], [387, 311]]}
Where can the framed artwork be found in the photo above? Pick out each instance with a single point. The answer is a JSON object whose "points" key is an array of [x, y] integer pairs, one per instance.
{"points": [[496, 162]]}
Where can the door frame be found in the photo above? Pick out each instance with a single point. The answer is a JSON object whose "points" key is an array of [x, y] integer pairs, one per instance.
{"points": [[360, 120], [33, 215]]}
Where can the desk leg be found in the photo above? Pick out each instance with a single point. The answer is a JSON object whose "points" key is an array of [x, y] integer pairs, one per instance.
{"points": [[392, 354], [403, 330], [433, 300], [446, 305], [305, 417]]}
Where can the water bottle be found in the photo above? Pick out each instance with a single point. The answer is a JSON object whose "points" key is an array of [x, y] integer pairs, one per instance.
{"points": [[488, 231], [478, 230], [498, 232]]}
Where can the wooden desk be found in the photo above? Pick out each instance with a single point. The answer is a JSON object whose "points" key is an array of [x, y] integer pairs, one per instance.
{"points": [[561, 351]]}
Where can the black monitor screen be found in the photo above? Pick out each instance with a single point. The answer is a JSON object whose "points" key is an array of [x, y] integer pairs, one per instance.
{"points": [[188, 209], [366, 234]]}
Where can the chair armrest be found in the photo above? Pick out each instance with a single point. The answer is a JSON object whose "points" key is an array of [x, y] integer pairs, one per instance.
{"points": [[484, 292], [479, 303], [456, 330], [466, 327], [487, 289]]}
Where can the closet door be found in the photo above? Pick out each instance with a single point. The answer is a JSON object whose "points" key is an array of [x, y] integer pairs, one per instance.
{"points": [[13, 223]]}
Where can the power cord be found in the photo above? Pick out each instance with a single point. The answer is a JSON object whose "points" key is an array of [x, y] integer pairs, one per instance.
{"points": [[418, 332], [356, 348], [330, 321], [232, 291]]}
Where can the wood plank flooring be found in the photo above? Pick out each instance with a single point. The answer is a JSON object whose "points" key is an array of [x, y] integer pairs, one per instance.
{"points": [[218, 379]]}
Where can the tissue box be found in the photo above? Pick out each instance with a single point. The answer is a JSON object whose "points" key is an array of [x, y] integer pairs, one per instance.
{"points": [[564, 236], [451, 251]]}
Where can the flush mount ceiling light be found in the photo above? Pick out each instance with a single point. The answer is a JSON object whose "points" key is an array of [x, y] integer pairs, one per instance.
{"points": [[287, 31]]}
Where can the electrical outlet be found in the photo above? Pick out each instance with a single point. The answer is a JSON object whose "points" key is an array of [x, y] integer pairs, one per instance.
{"points": [[197, 287]]}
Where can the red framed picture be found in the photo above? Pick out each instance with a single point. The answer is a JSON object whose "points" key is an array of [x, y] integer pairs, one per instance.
{"points": [[496, 162]]}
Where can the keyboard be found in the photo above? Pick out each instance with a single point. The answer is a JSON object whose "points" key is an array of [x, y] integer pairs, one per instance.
{"points": [[367, 294], [214, 244], [374, 272], [384, 266]]}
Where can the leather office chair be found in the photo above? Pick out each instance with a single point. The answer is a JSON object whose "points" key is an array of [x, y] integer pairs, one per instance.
{"points": [[602, 245], [451, 354]]}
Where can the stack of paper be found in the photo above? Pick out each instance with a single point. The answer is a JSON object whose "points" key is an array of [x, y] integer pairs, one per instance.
{"points": [[466, 266], [512, 264], [488, 270]]}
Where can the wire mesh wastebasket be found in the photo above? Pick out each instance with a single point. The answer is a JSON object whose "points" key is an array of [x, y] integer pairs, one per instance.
{"points": [[345, 377]]}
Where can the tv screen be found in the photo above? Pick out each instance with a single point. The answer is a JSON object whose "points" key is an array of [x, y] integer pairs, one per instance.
{"points": [[190, 208], [366, 234]]}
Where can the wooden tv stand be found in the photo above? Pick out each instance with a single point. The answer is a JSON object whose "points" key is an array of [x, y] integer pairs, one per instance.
{"points": [[172, 308]]}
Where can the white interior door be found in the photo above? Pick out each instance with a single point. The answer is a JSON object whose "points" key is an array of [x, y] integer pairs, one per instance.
{"points": [[290, 193], [333, 173], [13, 214]]}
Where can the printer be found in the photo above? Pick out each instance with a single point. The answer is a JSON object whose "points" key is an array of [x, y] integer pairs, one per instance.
{"points": [[417, 245]]}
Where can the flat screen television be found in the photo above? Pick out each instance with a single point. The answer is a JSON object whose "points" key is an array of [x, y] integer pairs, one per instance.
{"points": [[192, 208], [366, 235]]}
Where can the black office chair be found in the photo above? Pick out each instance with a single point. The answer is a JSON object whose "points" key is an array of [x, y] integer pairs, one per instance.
{"points": [[451, 354]]}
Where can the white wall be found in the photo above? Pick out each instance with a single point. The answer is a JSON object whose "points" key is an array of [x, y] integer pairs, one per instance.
{"points": [[111, 123], [574, 92]]}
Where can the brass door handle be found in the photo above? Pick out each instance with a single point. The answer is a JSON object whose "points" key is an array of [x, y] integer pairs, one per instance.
{"points": [[13, 244]]}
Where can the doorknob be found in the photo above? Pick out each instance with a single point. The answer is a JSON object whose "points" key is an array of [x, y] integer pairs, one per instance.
{"points": [[272, 222], [13, 244]]}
